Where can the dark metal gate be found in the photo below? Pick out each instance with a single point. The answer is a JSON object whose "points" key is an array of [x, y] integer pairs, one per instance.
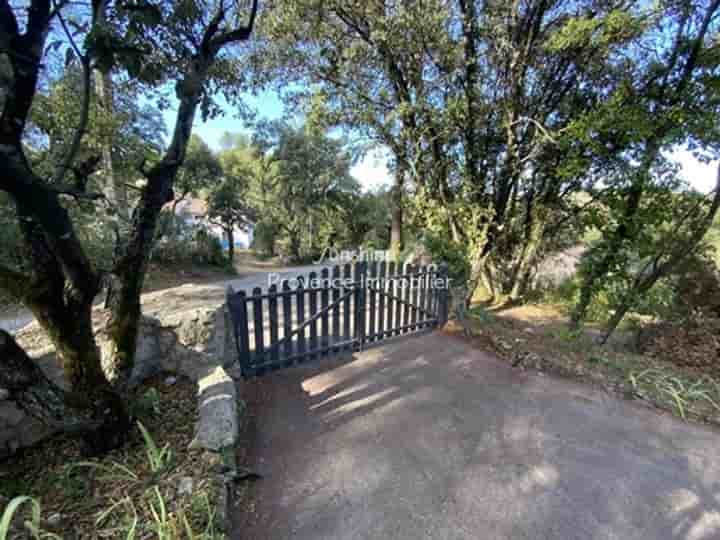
{"points": [[342, 309]]}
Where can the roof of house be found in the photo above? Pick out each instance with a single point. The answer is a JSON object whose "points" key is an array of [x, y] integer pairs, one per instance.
{"points": [[193, 207]]}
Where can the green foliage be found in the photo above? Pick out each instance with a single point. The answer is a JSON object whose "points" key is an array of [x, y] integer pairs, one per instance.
{"points": [[159, 459], [208, 249], [135, 130], [200, 170], [148, 515], [296, 184], [681, 393], [265, 236], [32, 526], [453, 254], [519, 151], [146, 405], [180, 243]]}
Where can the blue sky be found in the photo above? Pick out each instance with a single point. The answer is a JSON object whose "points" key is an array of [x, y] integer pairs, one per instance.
{"points": [[372, 170]]}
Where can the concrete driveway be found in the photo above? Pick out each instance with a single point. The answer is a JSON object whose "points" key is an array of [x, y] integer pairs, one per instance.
{"points": [[429, 438]]}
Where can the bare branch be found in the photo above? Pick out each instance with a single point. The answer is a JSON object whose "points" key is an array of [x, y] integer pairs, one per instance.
{"points": [[76, 193], [239, 34], [8, 22], [84, 109]]}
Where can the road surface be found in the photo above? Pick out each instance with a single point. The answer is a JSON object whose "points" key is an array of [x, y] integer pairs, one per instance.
{"points": [[16, 318], [429, 438]]}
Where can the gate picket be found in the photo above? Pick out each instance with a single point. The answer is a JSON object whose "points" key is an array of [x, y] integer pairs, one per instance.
{"points": [[406, 298], [312, 291], [381, 301], [422, 281], [370, 287], [414, 291], [287, 319], [238, 308], [359, 307], [273, 318], [337, 308], [258, 325], [347, 314], [400, 300], [325, 334], [300, 305], [391, 298]]}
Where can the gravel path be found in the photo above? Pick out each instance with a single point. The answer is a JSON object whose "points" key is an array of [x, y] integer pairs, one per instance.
{"points": [[16, 318]]}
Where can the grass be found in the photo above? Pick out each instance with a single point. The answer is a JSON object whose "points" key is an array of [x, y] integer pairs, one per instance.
{"points": [[684, 394], [129, 523], [131, 493], [537, 337]]}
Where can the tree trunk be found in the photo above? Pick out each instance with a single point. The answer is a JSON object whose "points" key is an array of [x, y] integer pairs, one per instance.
{"points": [[397, 210], [129, 275], [643, 283], [129, 270], [524, 267], [294, 246], [599, 269], [114, 186], [231, 244], [95, 412], [481, 275]]}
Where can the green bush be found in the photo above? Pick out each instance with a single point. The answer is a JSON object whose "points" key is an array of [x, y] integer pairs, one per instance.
{"points": [[443, 250], [208, 249], [264, 238]]}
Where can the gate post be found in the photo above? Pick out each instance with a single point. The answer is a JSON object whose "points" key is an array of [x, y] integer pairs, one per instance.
{"points": [[236, 303], [443, 295], [360, 302], [231, 334]]}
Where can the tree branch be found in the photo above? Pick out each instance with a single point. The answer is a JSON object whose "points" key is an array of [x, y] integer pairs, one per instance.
{"points": [[239, 34], [74, 147], [35, 393], [76, 193], [8, 22]]}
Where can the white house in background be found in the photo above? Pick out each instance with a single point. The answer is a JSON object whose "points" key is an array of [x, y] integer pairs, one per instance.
{"points": [[193, 212]]}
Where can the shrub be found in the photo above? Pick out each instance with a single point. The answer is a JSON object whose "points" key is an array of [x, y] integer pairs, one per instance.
{"points": [[208, 249], [264, 238]]}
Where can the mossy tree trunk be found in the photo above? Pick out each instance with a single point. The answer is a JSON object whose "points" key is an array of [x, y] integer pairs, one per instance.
{"points": [[62, 282], [396, 225]]}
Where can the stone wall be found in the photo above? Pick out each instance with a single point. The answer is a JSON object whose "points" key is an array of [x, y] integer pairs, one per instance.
{"points": [[16, 429], [184, 333]]}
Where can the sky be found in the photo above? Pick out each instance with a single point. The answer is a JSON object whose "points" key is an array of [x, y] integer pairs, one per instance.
{"points": [[372, 171]]}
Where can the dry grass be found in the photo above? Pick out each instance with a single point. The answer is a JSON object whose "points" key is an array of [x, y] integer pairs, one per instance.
{"points": [[84, 499], [536, 337]]}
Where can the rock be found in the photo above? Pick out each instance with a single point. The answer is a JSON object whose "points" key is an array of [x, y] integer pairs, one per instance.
{"points": [[171, 381], [504, 344], [4, 394], [10, 414], [217, 426], [185, 486], [147, 353], [54, 519]]}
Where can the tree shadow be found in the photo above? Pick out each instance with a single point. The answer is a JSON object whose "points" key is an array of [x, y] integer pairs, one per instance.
{"points": [[427, 437]]}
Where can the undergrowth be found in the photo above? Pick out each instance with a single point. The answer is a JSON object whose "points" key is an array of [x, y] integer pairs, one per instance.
{"points": [[549, 345], [144, 513]]}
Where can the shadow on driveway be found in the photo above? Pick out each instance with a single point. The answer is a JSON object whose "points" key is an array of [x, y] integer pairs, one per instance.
{"points": [[429, 438]]}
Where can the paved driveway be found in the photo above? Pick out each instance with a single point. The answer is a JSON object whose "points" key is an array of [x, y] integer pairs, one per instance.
{"points": [[429, 438]]}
